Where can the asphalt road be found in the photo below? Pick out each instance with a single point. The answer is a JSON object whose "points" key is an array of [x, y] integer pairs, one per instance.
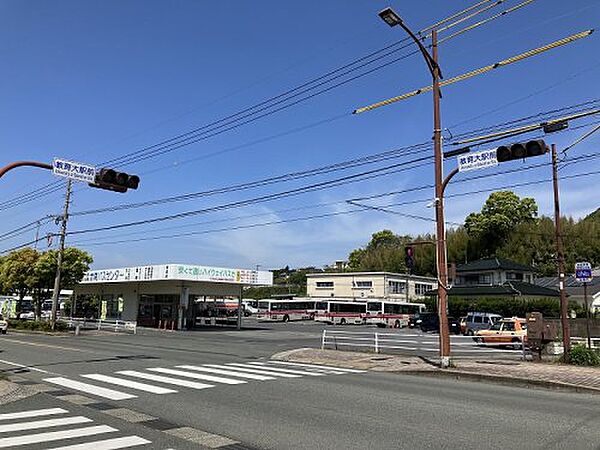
{"points": [[329, 411]]}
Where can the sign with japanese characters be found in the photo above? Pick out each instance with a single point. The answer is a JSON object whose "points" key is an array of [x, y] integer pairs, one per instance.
{"points": [[74, 170], [477, 160], [179, 272], [583, 272]]}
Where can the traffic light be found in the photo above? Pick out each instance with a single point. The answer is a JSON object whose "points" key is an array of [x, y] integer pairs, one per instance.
{"points": [[409, 257], [112, 180], [521, 150]]}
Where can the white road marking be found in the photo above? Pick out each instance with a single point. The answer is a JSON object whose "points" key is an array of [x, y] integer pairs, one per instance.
{"points": [[166, 380], [279, 369], [55, 436], [108, 444], [130, 384], [227, 371], [35, 369], [198, 376], [22, 426], [89, 388], [251, 369], [32, 413], [316, 366]]}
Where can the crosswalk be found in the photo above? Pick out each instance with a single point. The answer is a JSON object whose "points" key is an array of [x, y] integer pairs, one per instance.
{"points": [[57, 429], [129, 384]]}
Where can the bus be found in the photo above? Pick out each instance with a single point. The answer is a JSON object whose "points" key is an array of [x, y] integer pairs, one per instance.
{"points": [[270, 310], [342, 313], [391, 314]]}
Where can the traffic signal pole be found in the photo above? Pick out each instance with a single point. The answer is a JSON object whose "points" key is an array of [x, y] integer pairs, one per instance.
{"points": [[59, 257], [564, 307], [442, 270]]}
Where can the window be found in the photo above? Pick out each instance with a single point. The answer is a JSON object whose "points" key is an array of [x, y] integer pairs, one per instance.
{"points": [[324, 284], [477, 319], [509, 326], [485, 279], [421, 288], [396, 287], [362, 284], [516, 276]]}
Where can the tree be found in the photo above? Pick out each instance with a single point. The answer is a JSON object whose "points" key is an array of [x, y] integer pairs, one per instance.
{"points": [[502, 212], [17, 271]]}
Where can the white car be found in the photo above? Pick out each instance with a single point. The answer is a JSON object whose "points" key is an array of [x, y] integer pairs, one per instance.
{"points": [[3, 325]]}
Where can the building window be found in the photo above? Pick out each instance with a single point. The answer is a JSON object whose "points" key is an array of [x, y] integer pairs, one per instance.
{"points": [[396, 287], [421, 288], [362, 284], [514, 276], [485, 278], [324, 284]]}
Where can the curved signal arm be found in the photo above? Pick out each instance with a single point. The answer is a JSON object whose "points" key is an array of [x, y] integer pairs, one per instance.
{"points": [[448, 178], [16, 164]]}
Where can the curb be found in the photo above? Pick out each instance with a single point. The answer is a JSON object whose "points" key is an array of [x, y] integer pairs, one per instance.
{"points": [[510, 381]]}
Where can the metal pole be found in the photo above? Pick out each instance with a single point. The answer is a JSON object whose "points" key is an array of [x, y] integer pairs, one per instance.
{"points": [[439, 212], [61, 249], [564, 313], [239, 311], [16, 164], [587, 315], [406, 287], [37, 234]]}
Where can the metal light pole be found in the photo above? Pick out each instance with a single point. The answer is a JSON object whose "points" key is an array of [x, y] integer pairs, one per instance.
{"points": [[59, 257], [392, 19], [564, 309]]}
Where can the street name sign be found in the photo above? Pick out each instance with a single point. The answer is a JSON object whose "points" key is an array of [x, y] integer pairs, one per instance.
{"points": [[477, 160], [74, 170], [583, 272]]}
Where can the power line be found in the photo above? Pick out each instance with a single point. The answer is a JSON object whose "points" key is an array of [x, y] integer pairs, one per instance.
{"points": [[317, 82], [318, 216]]}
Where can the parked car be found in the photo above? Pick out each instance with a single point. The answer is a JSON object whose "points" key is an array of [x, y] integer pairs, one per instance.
{"points": [[431, 322], [3, 325], [504, 332], [414, 321], [476, 321]]}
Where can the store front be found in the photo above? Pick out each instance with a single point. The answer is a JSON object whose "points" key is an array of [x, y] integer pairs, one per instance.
{"points": [[173, 296]]}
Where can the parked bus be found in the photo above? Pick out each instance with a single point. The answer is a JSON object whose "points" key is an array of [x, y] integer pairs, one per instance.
{"points": [[286, 310], [391, 314], [342, 312]]}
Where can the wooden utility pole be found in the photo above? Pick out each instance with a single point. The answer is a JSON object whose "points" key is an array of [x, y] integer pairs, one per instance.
{"points": [[61, 249]]}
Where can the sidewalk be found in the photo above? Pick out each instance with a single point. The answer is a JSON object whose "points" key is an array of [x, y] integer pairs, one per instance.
{"points": [[529, 374]]}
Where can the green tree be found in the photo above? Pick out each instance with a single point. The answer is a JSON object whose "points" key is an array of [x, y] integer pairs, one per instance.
{"points": [[502, 212], [17, 271]]}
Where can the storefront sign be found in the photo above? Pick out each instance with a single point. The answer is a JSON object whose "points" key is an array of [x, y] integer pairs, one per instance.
{"points": [[179, 272]]}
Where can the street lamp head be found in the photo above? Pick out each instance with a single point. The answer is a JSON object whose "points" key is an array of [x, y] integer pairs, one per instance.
{"points": [[390, 17]]}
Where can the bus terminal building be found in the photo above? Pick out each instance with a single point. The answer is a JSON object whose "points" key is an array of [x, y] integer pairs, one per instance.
{"points": [[179, 296]]}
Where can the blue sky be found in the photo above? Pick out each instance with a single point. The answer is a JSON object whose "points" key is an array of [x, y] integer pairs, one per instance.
{"points": [[91, 81]]}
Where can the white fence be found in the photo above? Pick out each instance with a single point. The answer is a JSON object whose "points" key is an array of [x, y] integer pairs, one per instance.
{"points": [[417, 343], [116, 326]]}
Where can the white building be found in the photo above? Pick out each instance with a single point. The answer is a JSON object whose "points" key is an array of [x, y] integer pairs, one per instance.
{"points": [[172, 294], [365, 285]]}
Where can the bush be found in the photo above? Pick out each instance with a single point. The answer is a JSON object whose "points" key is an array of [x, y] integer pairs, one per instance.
{"points": [[32, 325], [583, 356], [506, 306]]}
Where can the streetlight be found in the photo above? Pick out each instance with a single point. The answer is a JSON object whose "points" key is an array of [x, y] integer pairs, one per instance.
{"points": [[390, 17]]}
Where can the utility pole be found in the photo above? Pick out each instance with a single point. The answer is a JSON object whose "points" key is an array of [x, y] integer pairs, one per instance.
{"points": [[442, 270], [61, 249], [37, 234], [564, 310], [587, 315]]}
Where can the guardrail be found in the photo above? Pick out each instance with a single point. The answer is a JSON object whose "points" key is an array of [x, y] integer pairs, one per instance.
{"points": [[117, 326], [595, 341], [385, 342]]}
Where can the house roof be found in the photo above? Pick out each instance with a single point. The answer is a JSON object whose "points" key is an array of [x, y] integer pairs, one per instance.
{"points": [[572, 286], [492, 264], [508, 289]]}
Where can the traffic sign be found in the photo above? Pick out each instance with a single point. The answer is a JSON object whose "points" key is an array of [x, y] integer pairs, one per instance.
{"points": [[74, 170], [477, 160], [583, 272]]}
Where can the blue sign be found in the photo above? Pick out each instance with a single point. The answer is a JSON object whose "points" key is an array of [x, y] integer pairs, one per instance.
{"points": [[583, 272]]}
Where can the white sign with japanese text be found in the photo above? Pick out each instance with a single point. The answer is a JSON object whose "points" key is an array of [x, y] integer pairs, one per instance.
{"points": [[74, 170], [477, 160], [179, 272]]}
